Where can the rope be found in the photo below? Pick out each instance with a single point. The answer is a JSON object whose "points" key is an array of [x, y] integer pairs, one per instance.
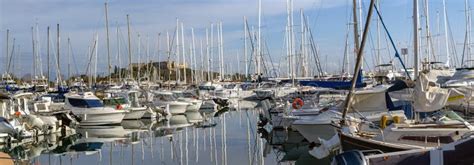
{"points": [[391, 41]]}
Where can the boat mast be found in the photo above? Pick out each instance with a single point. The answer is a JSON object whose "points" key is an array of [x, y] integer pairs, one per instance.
{"points": [[245, 48], [358, 63], [168, 50], [259, 40], [207, 56], [129, 48], [202, 61], [183, 53], [34, 53], [118, 56], [8, 40], [221, 52], [139, 62], [96, 56], [109, 67], [47, 53], [302, 44], [356, 28], [445, 15], [178, 75], [193, 54], [378, 37], [415, 37], [68, 57], [58, 40], [211, 51], [468, 33], [428, 34]]}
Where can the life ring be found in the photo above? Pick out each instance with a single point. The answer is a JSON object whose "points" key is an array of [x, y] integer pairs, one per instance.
{"points": [[297, 103], [119, 107]]}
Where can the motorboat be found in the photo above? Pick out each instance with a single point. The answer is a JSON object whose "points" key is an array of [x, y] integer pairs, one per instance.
{"points": [[194, 102], [90, 109], [165, 99]]}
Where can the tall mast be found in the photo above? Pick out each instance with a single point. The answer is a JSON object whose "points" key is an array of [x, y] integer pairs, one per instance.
{"points": [[302, 51], [245, 48], [221, 75], [468, 32], [378, 37], [139, 58], [8, 46], [109, 67], [68, 57], [415, 37], [168, 50], [445, 15], [148, 58], [358, 63], [292, 45], [96, 56], [158, 58], [178, 78], [38, 48], [356, 27], [129, 49], [201, 56], [58, 41], [183, 53], [259, 39], [222, 51], [34, 51], [118, 56], [193, 56], [211, 50], [207, 56], [428, 33], [288, 38], [48, 53]]}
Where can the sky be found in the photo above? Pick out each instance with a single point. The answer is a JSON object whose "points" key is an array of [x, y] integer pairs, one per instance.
{"points": [[81, 20]]}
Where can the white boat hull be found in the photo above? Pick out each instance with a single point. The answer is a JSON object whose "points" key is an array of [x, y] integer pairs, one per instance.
{"points": [[135, 113], [194, 106], [100, 117]]}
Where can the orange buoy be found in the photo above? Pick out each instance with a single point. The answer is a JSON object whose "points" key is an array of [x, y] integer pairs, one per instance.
{"points": [[297, 103], [17, 113]]}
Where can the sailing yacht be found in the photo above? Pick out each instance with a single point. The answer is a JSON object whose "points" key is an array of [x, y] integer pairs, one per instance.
{"points": [[441, 128], [92, 111]]}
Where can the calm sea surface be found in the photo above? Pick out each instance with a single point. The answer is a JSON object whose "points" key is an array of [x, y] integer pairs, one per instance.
{"points": [[203, 138]]}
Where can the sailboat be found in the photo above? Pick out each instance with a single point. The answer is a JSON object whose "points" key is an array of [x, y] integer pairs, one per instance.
{"points": [[442, 128]]}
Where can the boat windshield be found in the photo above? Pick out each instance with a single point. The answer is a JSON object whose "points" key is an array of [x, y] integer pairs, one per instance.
{"points": [[84, 103]]}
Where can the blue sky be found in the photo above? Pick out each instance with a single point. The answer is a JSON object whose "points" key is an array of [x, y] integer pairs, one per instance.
{"points": [[81, 19]]}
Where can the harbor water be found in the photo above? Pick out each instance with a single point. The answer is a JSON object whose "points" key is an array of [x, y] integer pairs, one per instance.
{"points": [[230, 137]]}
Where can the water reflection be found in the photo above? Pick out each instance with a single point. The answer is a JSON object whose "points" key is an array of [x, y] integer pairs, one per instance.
{"points": [[204, 137]]}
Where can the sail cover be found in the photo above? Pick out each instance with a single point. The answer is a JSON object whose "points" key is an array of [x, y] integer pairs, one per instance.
{"points": [[428, 96]]}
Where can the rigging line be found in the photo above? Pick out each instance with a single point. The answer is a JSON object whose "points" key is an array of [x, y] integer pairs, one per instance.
{"points": [[73, 58], [391, 40], [251, 38], [313, 48]]}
